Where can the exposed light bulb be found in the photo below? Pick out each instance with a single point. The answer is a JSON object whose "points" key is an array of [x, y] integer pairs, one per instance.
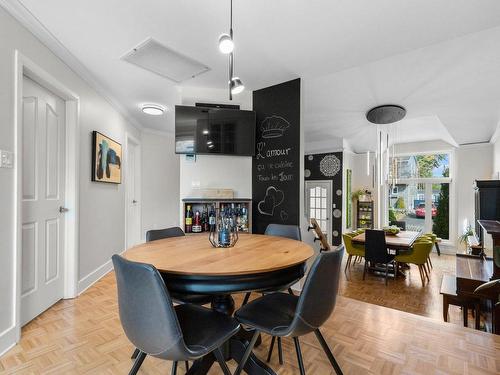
{"points": [[226, 44]]}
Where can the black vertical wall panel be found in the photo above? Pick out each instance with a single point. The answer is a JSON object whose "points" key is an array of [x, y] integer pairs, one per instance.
{"points": [[333, 171], [276, 165]]}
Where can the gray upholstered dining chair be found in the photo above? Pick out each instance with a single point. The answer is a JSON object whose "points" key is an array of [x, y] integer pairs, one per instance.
{"points": [[157, 328], [287, 231], [159, 234], [286, 315]]}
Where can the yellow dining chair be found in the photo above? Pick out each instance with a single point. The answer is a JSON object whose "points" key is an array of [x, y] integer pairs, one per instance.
{"points": [[352, 249], [418, 256]]}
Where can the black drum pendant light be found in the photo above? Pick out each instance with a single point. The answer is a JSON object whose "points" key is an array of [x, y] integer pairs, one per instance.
{"points": [[386, 114], [226, 46]]}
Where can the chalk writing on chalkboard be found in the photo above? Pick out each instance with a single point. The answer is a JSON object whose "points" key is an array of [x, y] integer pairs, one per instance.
{"points": [[273, 198], [284, 216], [260, 146], [274, 126]]}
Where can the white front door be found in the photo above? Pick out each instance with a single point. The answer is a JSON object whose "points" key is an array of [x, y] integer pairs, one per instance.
{"points": [[133, 184], [319, 205], [42, 195]]}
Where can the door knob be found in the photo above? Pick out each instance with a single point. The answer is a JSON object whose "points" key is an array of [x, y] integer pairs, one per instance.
{"points": [[134, 201], [63, 209]]}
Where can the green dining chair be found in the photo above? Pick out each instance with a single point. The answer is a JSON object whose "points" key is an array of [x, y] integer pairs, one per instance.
{"points": [[352, 249], [418, 256]]}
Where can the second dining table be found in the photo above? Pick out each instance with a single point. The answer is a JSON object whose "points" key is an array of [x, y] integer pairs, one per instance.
{"points": [[190, 265], [402, 241]]}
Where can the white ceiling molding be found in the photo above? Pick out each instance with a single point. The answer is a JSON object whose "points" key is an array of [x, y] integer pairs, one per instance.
{"points": [[28, 20], [496, 134]]}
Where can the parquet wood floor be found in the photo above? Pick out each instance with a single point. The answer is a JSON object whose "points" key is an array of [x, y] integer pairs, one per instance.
{"points": [[84, 336], [405, 294]]}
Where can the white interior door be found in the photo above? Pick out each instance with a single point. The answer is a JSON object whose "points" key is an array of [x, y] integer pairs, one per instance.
{"points": [[43, 188], [133, 183], [319, 204]]}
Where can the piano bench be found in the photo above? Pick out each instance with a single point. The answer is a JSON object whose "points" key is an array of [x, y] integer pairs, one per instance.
{"points": [[450, 297]]}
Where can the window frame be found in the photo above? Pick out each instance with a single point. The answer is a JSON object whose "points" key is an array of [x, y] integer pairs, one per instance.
{"points": [[451, 241]]}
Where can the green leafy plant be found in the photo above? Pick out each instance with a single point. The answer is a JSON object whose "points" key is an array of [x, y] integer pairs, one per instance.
{"points": [[360, 192], [392, 215], [465, 236], [400, 203], [441, 226]]}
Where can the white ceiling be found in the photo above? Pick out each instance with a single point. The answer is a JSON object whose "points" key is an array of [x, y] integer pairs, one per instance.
{"points": [[438, 58]]}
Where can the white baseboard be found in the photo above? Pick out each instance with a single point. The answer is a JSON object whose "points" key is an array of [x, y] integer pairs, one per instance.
{"points": [[8, 339], [94, 276]]}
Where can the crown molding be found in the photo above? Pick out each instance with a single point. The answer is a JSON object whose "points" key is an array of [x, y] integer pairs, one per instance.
{"points": [[30, 22]]}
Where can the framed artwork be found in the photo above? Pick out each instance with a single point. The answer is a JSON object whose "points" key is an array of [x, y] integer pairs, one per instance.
{"points": [[348, 199], [106, 159]]}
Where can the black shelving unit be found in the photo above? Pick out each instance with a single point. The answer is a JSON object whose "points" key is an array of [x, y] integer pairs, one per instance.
{"points": [[201, 204], [364, 217]]}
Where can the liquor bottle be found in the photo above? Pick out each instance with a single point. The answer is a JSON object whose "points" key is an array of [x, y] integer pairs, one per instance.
{"points": [[211, 219], [238, 217], [244, 218], [189, 219], [204, 220], [197, 223]]}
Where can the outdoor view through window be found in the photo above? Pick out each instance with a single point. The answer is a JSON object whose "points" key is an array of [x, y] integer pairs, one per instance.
{"points": [[419, 192]]}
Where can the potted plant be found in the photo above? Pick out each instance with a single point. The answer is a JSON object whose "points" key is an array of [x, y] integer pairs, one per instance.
{"points": [[464, 238], [362, 195]]}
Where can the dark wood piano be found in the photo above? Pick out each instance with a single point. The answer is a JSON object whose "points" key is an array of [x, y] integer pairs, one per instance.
{"points": [[473, 271]]}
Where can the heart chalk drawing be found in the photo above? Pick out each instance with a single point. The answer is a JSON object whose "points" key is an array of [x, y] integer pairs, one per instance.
{"points": [[273, 199], [284, 216]]}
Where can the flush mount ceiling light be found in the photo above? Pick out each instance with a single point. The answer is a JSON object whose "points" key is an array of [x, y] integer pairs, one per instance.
{"points": [[153, 109], [226, 46], [386, 114]]}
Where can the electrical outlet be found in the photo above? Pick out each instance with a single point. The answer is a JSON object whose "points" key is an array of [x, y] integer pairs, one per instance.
{"points": [[6, 159]]}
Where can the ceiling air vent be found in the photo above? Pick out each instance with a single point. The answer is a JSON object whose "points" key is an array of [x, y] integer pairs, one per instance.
{"points": [[155, 57]]}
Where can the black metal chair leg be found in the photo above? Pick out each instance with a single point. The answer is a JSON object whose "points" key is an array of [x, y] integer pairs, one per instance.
{"points": [[328, 352], [437, 249], [245, 301], [271, 347], [135, 354], [174, 368], [280, 351], [186, 363], [364, 270], [247, 353], [137, 364], [222, 363], [299, 356], [386, 272]]}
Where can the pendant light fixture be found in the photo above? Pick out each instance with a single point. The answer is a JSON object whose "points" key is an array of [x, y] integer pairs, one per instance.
{"points": [[226, 46]]}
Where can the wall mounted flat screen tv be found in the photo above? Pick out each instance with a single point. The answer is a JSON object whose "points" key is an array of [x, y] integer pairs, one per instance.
{"points": [[200, 130]]}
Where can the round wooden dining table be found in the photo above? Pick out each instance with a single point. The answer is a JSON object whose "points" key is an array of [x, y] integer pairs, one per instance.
{"points": [[190, 265]]}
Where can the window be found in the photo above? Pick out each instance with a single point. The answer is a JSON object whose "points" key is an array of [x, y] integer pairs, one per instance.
{"points": [[418, 192]]}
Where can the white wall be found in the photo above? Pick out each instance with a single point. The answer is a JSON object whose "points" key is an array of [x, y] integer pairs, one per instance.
{"points": [[474, 162], [160, 181], [496, 159], [101, 205]]}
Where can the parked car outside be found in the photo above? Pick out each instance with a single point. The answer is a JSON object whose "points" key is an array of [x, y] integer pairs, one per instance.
{"points": [[420, 210]]}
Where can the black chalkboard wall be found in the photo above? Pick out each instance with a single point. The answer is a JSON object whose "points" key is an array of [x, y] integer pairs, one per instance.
{"points": [[276, 165], [328, 167]]}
